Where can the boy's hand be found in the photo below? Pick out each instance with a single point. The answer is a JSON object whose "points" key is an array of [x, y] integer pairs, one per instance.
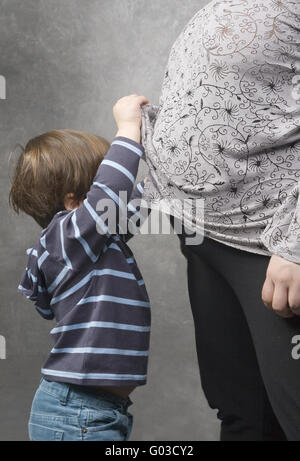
{"points": [[128, 116]]}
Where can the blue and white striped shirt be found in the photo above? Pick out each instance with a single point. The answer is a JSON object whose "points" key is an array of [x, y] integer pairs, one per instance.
{"points": [[90, 283]]}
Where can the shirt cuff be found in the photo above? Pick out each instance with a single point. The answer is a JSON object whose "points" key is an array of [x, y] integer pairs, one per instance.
{"points": [[132, 142]]}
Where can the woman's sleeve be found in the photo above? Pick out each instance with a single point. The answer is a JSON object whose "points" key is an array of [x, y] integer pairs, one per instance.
{"points": [[282, 235]]}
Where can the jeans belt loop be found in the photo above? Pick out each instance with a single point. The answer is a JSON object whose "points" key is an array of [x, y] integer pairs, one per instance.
{"points": [[65, 394]]}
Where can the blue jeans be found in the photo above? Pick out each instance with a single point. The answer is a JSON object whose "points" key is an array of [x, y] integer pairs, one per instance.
{"points": [[64, 412]]}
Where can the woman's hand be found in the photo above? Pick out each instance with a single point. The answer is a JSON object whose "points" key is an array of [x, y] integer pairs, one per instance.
{"points": [[281, 290], [128, 116]]}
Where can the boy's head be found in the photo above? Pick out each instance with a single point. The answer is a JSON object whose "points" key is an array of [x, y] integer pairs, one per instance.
{"points": [[54, 172]]}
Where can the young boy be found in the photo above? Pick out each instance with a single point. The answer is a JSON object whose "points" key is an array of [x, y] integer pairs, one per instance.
{"points": [[86, 278]]}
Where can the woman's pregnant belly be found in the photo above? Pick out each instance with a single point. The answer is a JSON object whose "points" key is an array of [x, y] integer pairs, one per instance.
{"points": [[227, 126]]}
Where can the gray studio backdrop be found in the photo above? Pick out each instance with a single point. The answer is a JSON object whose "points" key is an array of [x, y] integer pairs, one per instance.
{"points": [[66, 62]]}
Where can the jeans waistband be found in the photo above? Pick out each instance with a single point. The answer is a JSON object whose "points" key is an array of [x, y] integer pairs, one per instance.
{"points": [[99, 400]]}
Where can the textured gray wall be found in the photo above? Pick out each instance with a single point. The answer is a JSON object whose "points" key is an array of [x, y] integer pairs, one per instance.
{"points": [[66, 63]]}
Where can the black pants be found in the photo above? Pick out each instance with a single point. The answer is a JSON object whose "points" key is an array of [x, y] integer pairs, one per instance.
{"points": [[244, 350]]}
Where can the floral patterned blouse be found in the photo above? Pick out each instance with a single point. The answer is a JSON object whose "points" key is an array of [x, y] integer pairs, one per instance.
{"points": [[227, 127]]}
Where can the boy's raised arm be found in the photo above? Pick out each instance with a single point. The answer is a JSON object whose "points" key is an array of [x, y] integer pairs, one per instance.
{"points": [[85, 231]]}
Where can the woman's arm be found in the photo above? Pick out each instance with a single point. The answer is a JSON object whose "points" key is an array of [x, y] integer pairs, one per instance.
{"points": [[281, 290]]}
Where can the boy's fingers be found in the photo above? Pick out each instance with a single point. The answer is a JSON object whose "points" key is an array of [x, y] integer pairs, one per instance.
{"points": [[142, 99]]}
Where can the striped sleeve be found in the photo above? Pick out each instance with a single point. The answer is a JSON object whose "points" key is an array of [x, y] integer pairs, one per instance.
{"points": [[33, 286], [83, 233], [137, 212]]}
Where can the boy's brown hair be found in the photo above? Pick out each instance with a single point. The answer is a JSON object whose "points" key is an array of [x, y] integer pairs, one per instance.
{"points": [[51, 166]]}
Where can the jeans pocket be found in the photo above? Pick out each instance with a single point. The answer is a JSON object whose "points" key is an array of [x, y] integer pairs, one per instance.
{"points": [[102, 420], [41, 433], [104, 425]]}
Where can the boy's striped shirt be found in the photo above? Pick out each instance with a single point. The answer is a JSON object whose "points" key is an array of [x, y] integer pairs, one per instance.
{"points": [[90, 283]]}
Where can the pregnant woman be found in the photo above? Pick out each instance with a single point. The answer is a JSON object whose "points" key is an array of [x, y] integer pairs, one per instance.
{"points": [[227, 130]]}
